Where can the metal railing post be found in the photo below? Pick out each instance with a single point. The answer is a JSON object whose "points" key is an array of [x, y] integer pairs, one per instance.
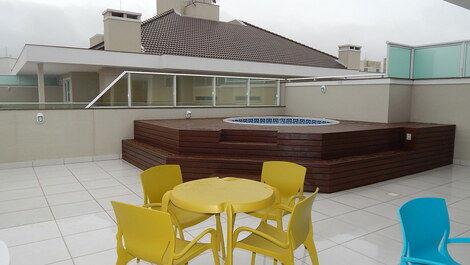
{"points": [[129, 91]]}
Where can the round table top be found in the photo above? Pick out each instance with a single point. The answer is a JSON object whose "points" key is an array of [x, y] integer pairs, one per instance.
{"points": [[214, 195]]}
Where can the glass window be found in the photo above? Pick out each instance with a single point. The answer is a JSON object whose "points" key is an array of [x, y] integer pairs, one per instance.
{"points": [[231, 91], [263, 92], [399, 62], [194, 91], [467, 63], [152, 90], [116, 95], [436, 62]]}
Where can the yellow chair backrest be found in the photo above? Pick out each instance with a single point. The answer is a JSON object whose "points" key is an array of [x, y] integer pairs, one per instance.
{"points": [[147, 234], [287, 177], [301, 220], [156, 181]]}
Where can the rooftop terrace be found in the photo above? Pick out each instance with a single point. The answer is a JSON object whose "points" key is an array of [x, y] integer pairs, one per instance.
{"points": [[61, 215]]}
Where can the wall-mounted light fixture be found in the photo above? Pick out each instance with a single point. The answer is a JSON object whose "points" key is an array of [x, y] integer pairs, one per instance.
{"points": [[40, 119]]}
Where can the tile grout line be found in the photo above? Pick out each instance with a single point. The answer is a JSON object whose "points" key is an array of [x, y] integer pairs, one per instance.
{"points": [[53, 216], [96, 200]]}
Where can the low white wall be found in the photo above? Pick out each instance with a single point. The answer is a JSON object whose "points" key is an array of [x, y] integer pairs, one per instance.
{"points": [[448, 104], [359, 102], [83, 134]]}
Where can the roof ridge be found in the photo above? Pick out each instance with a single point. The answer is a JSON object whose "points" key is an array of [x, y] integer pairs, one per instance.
{"points": [[159, 16], [270, 32]]}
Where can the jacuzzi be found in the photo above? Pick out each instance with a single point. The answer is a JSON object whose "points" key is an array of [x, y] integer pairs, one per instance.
{"points": [[281, 121]]}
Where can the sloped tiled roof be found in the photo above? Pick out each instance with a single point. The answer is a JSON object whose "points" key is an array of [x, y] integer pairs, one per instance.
{"points": [[171, 33]]}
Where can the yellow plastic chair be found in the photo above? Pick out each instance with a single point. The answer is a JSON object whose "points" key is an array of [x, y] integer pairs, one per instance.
{"points": [[279, 244], [288, 180], [149, 235], [158, 180]]}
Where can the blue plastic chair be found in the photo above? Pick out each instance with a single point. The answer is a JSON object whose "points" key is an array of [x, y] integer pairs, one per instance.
{"points": [[426, 227]]}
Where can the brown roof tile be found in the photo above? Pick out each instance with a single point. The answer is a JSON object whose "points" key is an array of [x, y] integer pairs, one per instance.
{"points": [[171, 33]]}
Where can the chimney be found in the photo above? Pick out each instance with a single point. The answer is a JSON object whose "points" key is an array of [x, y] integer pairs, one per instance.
{"points": [[122, 31], [350, 56], [206, 9]]}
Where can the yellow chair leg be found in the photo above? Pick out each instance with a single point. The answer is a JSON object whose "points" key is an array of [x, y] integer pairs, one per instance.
{"points": [[312, 251], [123, 257], [253, 258], [275, 262], [181, 233], [215, 248], [220, 234]]}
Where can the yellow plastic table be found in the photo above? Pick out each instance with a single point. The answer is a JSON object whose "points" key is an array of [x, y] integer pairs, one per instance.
{"points": [[217, 195]]}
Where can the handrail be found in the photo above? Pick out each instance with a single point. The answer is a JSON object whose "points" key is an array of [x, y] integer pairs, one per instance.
{"points": [[106, 89], [339, 77]]}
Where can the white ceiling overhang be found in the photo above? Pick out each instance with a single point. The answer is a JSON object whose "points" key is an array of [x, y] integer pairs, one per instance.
{"points": [[61, 60], [462, 3]]}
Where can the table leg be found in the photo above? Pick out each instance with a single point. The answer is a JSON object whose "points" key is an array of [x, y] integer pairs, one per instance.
{"points": [[220, 235], [230, 223]]}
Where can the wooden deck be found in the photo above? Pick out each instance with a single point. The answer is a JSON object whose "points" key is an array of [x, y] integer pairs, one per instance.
{"points": [[338, 157]]}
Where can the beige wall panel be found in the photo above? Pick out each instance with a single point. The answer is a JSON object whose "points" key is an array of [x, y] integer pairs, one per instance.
{"points": [[351, 102], [449, 104], [399, 103], [87, 133], [85, 86], [65, 133], [8, 137]]}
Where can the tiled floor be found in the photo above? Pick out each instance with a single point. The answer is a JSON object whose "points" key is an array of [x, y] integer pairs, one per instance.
{"points": [[62, 215]]}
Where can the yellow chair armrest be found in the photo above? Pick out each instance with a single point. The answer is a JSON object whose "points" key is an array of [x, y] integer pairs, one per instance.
{"points": [[261, 234], [150, 205], [194, 241], [293, 198], [276, 207]]}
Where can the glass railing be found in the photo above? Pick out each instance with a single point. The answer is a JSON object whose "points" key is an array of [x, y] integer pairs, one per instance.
{"points": [[446, 60], [41, 106], [143, 89]]}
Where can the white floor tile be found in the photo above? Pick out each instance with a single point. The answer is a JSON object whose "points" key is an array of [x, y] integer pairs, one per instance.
{"points": [[377, 247], [355, 201], [367, 221], [101, 183], [84, 223], [340, 255], [25, 217], [331, 208], [43, 252], [377, 194], [57, 181], [385, 209], [129, 198], [69, 197], [18, 184], [75, 209], [104, 258], [109, 192], [91, 242], [29, 233], [337, 231], [20, 194], [23, 204], [63, 188], [459, 215]]}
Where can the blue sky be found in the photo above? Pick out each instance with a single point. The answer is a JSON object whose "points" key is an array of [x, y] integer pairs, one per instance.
{"points": [[322, 24]]}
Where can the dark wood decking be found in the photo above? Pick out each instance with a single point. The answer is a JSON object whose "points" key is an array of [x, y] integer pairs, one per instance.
{"points": [[338, 157]]}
